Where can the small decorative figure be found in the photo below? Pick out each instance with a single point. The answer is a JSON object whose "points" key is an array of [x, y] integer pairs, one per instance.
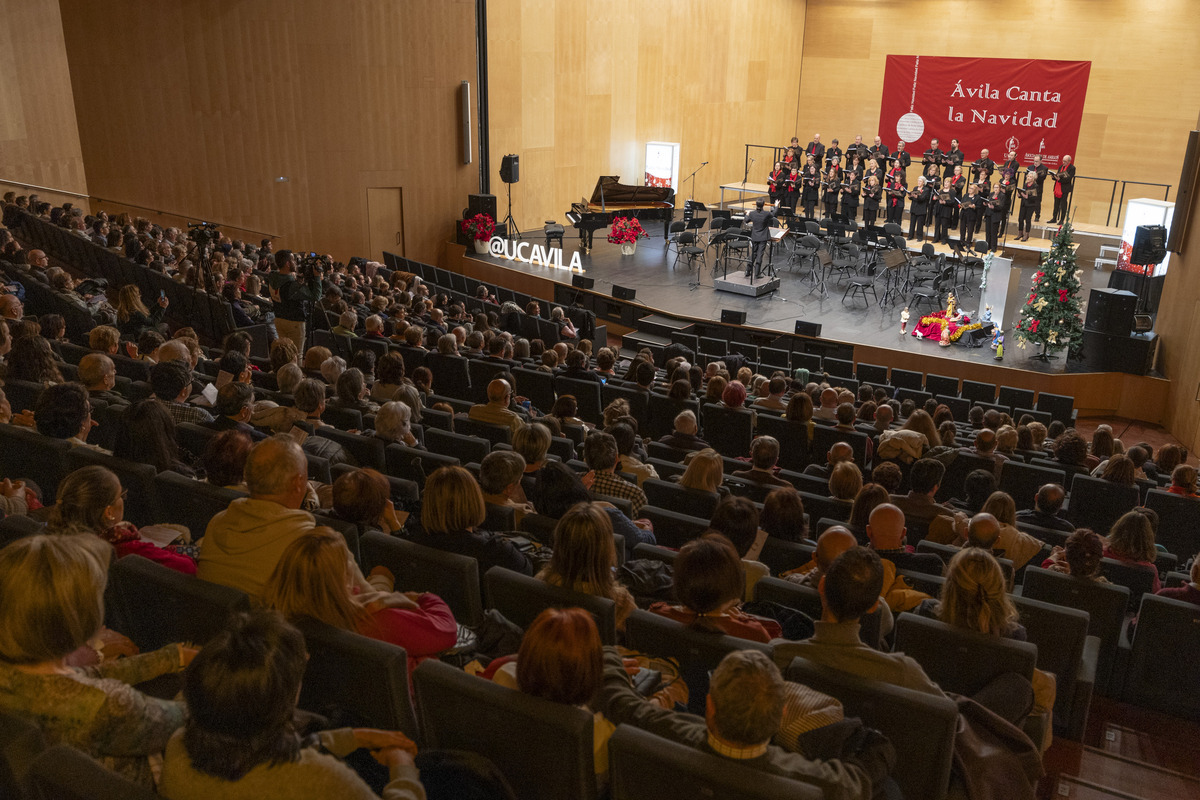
{"points": [[997, 339], [904, 316], [987, 315], [945, 340], [951, 304]]}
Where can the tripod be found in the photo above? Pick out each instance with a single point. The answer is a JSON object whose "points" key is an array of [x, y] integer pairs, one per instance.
{"points": [[510, 224]]}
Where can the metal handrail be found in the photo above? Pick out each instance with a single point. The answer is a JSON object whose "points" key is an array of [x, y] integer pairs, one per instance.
{"points": [[151, 209]]}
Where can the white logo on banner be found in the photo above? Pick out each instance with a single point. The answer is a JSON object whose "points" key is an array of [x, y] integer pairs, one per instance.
{"points": [[533, 254]]}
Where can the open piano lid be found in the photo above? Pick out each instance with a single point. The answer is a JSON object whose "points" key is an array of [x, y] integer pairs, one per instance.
{"points": [[611, 192]]}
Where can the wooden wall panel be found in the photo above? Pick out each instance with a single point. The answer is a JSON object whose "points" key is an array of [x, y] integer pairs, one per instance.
{"points": [[39, 140], [1138, 109], [199, 106], [578, 87]]}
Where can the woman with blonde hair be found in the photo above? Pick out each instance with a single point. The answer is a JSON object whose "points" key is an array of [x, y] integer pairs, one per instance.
{"points": [[312, 580], [132, 315], [585, 557], [975, 597], [922, 423], [1131, 541], [451, 512], [705, 471], [52, 605]]}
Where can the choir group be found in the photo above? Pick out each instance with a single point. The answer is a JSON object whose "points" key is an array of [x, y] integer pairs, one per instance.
{"points": [[945, 197]]}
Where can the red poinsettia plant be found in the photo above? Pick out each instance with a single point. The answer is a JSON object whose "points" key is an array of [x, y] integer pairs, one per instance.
{"points": [[626, 230], [479, 227]]}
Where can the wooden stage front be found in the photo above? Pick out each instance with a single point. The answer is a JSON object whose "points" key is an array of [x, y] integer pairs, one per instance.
{"points": [[670, 289]]}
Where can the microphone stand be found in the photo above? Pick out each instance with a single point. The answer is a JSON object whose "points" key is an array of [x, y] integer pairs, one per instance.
{"points": [[746, 176], [692, 178]]}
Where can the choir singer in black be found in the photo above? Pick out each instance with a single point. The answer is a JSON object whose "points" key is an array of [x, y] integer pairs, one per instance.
{"points": [[1064, 183], [918, 208]]}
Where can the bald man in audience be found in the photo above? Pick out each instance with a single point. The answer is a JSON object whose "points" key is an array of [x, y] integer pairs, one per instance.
{"points": [[243, 543], [829, 403], [686, 435], [1003, 541], [11, 307], [886, 532], [1047, 509], [496, 411], [98, 373], [830, 544], [841, 451]]}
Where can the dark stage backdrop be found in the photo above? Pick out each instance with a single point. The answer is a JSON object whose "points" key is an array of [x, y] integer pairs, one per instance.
{"points": [[1032, 106]]}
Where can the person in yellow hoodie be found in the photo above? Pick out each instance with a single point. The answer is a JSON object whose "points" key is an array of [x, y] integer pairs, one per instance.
{"points": [[243, 543], [886, 530]]}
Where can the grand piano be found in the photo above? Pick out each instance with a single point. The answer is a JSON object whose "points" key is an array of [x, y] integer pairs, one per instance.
{"points": [[611, 199]]}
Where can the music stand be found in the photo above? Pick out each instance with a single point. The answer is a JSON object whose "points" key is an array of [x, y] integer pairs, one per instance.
{"points": [[893, 260], [694, 222]]}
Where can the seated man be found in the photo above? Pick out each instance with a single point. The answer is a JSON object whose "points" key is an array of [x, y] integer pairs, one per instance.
{"points": [[500, 479], [310, 399], [99, 375], [776, 389], [496, 411], [886, 531], [626, 461], [764, 454], [63, 411], [918, 505], [832, 543], [1047, 509], [600, 454], [172, 384], [839, 452], [1003, 541], [744, 711], [104, 339], [577, 367], [829, 403], [850, 589], [686, 433], [243, 543], [985, 447], [234, 407]]}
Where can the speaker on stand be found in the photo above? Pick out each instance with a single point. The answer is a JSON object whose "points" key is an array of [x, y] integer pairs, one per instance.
{"points": [[1149, 249], [510, 173]]}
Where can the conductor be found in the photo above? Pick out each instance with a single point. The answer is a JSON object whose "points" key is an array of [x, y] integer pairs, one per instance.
{"points": [[760, 235]]}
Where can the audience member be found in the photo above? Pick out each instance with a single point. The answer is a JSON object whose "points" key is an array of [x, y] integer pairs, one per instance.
{"points": [[886, 532], [833, 542], [32, 359], [1183, 481], [1188, 592], [63, 411], [685, 436], [1047, 509], [172, 384], [600, 454], [496, 410], [584, 558], [1131, 541], [783, 515], [98, 374], [1079, 556], [838, 453], [704, 472]]}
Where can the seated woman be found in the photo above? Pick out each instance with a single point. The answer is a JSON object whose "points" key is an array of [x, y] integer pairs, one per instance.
{"points": [[32, 359], [91, 500], [705, 473], [585, 557], [975, 597], [452, 511], [240, 741], [868, 497], [736, 518], [566, 411], [51, 605], [146, 435], [224, 459], [1183, 481], [312, 580], [389, 377], [1131, 541], [364, 498], [393, 424], [1120, 470], [566, 328], [132, 315], [709, 585], [845, 482], [1079, 556], [352, 392]]}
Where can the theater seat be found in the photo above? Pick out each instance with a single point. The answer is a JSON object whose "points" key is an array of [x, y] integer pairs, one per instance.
{"points": [[543, 748], [520, 598], [921, 726], [189, 502], [64, 773], [359, 681], [1066, 651], [20, 743], [648, 767], [452, 577], [1163, 668]]}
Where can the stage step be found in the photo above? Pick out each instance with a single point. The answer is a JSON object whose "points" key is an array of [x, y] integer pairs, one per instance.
{"points": [[662, 326]]}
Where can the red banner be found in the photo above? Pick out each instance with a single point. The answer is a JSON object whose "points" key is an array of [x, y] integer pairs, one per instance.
{"points": [[999, 104]]}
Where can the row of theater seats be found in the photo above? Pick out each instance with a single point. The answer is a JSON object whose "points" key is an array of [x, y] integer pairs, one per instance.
{"points": [[210, 315]]}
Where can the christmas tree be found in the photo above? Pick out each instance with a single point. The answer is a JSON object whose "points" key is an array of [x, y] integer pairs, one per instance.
{"points": [[1051, 314]]}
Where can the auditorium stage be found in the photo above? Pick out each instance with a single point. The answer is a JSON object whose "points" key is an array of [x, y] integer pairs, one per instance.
{"points": [[664, 287]]}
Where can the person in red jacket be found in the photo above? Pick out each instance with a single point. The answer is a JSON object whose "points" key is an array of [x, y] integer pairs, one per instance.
{"points": [[91, 500], [312, 580]]}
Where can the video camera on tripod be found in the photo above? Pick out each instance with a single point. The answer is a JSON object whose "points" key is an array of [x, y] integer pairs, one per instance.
{"points": [[310, 265]]}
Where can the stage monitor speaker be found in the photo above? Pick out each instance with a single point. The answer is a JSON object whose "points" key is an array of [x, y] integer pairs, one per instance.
{"points": [[731, 317], [622, 293], [510, 169], [481, 204], [1149, 245], [808, 329], [581, 282], [1103, 352], [1110, 311]]}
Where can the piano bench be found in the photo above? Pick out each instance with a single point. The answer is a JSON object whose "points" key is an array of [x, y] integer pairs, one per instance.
{"points": [[553, 231]]}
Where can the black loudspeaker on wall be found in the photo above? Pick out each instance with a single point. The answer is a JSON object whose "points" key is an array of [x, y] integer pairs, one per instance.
{"points": [[1110, 311], [581, 282], [808, 328], [510, 169], [481, 204], [622, 293], [1149, 245], [731, 317]]}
